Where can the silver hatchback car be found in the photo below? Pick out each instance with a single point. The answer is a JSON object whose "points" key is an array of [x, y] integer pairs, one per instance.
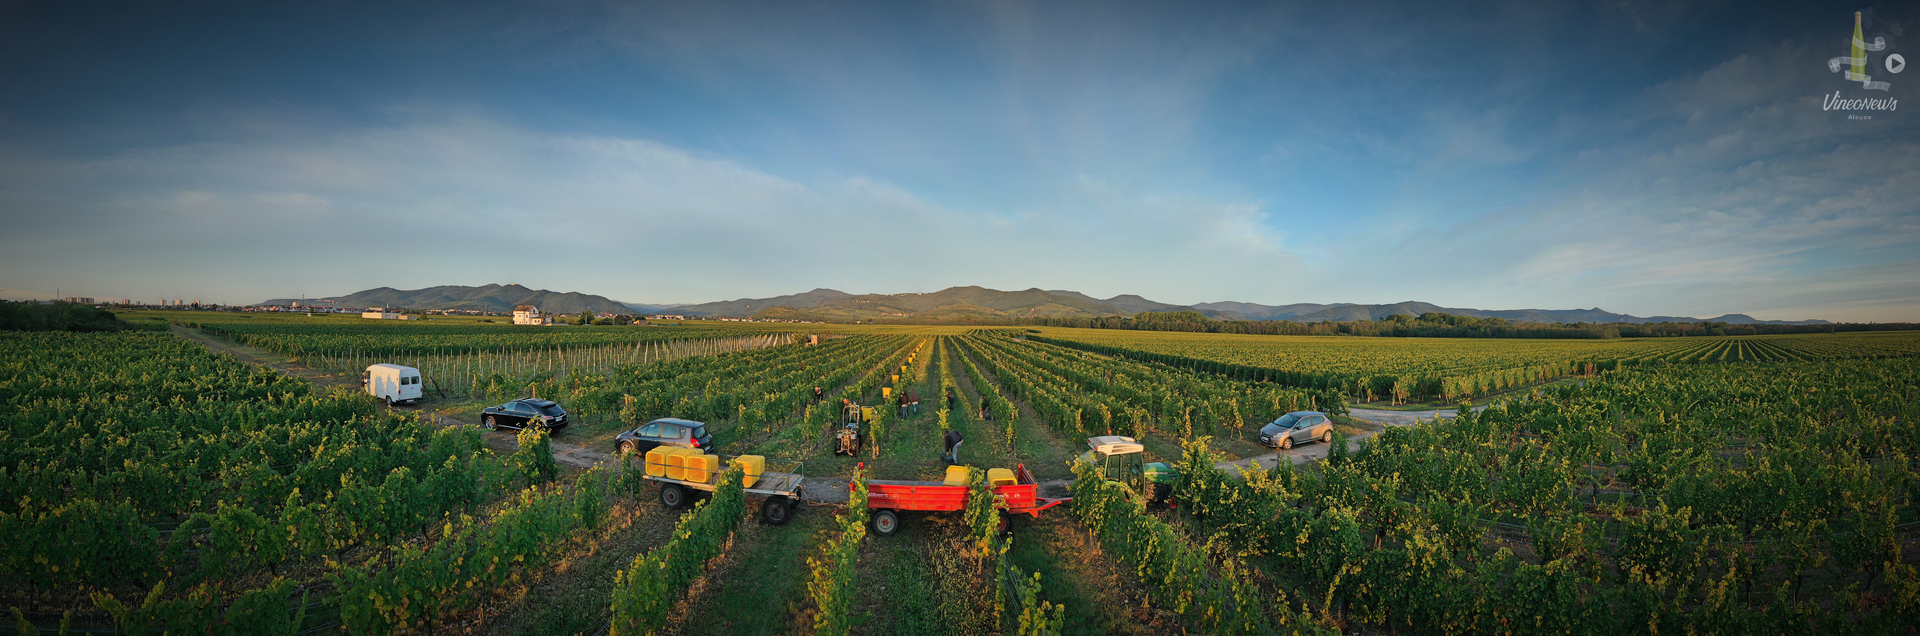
{"points": [[1298, 427]]}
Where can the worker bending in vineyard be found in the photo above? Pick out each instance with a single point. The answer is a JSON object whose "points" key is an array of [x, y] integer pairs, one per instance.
{"points": [[953, 440], [985, 413], [913, 402], [900, 400], [818, 395], [953, 401]]}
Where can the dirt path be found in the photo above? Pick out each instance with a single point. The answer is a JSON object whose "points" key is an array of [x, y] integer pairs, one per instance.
{"points": [[268, 359]]}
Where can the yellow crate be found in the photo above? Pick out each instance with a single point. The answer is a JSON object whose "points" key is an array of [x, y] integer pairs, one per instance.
{"points": [[677, 463], [1000, 477], [657, 461], [752, 466], [958, 475], [701, 468]]}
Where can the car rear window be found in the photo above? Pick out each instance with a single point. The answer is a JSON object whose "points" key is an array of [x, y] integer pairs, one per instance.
{"points": [[700, 431], [554, 410]]}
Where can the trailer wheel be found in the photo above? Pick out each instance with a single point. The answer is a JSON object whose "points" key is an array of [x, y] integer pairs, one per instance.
{"points": [[672, 495], [776, 511], [1006, 524], [885, 522], [488, 423]]}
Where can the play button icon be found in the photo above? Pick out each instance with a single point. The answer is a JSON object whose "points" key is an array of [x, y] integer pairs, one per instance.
{"points": [[1895, 63]]}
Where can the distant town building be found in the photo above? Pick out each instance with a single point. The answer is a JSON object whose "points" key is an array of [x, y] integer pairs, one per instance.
{"points": [[669, 317], [381, 315], [530, 315], [82, 300]]}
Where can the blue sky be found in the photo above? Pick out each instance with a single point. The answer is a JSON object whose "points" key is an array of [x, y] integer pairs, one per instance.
{"points": [[1646, 158]]}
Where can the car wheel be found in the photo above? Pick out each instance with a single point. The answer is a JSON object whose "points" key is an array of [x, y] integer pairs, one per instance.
{"points": [[1286, 443], [1327, 437], [776, 511], [885, 522], [672, 495], [489, 424], [629, 448]]}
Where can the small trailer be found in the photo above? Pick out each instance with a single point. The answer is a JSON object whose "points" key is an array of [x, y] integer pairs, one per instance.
{"points": [[778, 482], [886, 497], [394, 383]]}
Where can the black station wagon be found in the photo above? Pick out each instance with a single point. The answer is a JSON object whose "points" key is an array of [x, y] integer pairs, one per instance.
{"points": [[526, 413]]}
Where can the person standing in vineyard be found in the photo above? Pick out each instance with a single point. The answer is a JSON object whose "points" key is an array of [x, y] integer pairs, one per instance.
{"points": [[953, 447], [985, 413], [953, 402], [818, 395], [900, 400], [913, 402]]}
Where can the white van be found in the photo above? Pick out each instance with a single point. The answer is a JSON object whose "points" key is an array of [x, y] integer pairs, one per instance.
{"points": [[394, 383]]}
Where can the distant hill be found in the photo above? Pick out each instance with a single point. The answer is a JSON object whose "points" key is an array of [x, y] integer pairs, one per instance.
{"points": [[484, 298], [749, 306], [958, 303], [954, 303], [981, 302], [1307, 312]]}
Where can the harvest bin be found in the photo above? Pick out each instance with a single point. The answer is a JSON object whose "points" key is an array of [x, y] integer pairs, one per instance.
{"points": [[677, 463], [752, 466], [701, 468], [657, 461]]}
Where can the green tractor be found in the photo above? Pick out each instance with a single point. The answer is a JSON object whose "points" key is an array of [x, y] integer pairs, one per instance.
{"points": [[1123, 460]]}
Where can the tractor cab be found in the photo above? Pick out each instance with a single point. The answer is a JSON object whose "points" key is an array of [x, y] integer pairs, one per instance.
{"points": [[847, 439], [1121, 459]]}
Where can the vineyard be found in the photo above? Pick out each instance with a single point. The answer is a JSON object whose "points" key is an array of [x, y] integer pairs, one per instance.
{"points": [[1725, 485], [1455, 368]]}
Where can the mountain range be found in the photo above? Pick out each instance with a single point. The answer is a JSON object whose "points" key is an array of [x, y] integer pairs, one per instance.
{"points": [[956, 303], [963, 302], [500, 298]]}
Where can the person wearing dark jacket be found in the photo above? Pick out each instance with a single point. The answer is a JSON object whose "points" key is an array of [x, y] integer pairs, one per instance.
{"points": [[985, 412], [953, 401], [953, 447]]}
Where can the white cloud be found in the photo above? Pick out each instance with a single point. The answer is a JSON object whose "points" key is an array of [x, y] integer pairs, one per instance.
{"points": [[473, 201]]}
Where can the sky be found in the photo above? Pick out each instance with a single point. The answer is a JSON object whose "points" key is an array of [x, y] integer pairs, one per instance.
{"points": [[1648, 158]]}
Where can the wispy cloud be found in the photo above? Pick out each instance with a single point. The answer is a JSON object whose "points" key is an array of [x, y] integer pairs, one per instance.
{"points": [[481, 201]]}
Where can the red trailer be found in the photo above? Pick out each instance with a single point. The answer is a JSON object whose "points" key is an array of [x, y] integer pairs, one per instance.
{"points": [[885, 496]]}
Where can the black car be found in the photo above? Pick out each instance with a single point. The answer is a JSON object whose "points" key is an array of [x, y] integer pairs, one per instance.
{"points": [[525, 413], [666, 431]]}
